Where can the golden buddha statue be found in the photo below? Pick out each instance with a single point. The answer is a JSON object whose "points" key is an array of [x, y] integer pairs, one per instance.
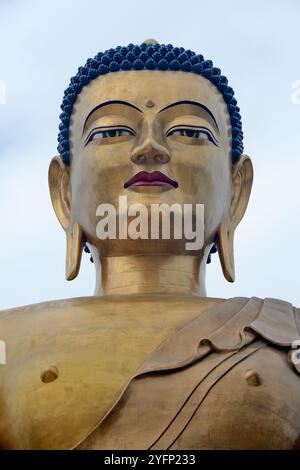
{"points": [[150, 362]]}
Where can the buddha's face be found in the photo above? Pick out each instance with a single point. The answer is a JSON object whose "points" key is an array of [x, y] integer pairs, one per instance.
{"points": [[175, 123]]}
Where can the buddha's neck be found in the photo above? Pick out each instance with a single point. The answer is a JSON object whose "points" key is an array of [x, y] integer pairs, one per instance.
{"points": [[163, 274]]}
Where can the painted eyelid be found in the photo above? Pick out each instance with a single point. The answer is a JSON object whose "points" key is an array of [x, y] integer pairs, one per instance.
{"points": [[106, 129], [192, 128]]}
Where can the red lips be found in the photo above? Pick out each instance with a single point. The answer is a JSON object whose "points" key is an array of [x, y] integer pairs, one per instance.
{"points": [[156, 178]]}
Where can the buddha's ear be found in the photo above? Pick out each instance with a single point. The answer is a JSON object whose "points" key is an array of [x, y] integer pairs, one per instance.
{"points": [[242, 178], [59, 185]]}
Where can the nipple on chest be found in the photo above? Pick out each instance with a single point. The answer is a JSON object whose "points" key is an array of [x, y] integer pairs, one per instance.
{"points": [[252, 378], [49, 375]]}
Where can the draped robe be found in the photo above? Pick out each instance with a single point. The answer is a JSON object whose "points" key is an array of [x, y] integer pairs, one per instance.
{"points": [[226, 380]]}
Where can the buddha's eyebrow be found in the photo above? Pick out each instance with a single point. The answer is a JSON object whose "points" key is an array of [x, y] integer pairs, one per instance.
{"points": [[107, 103], [195, 103]]}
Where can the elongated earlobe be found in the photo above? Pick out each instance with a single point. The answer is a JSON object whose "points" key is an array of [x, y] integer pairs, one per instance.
{"points": [[242, 179], [59, 185], [225, 243], [74, 250]]}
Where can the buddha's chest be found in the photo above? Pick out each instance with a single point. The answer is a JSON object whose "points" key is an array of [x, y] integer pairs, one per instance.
{"points": [[68, 362], [239, 401], [250, 400], [253, 403], [53, 394]]}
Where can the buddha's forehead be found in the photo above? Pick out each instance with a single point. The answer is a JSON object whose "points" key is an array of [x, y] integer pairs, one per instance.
{"points": [[159, 87]]}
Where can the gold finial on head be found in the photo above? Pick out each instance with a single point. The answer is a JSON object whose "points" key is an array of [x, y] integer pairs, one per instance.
{"points": [[151, 41]]}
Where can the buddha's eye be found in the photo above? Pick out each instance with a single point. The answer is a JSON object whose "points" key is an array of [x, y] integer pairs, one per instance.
{"points": [[195, 134], [109, 133]]}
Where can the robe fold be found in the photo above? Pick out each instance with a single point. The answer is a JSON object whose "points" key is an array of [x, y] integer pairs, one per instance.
{"points": [[224, 380]]}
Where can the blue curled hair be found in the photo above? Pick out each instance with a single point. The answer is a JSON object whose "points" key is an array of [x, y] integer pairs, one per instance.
{"points": [[148, 57]]}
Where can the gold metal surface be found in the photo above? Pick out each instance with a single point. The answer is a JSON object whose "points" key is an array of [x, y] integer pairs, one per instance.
{"points": [[252, 378], [68, 361]]}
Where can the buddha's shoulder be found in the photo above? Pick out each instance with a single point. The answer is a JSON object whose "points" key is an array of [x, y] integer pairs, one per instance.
{"points": [[102, 310], [53, 306], [271, 317], [93, 305], [39, 312]]}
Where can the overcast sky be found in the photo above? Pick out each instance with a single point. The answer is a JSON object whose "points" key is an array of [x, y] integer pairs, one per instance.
{"points": [[43, 43]]}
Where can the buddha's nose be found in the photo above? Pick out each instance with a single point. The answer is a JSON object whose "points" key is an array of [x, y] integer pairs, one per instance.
{"points": [[150, 151]]}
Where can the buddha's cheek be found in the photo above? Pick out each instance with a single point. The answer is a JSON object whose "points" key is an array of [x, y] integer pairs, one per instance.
{"points": [[86, 192], [96, 178], [216, 202], [206, 179]]}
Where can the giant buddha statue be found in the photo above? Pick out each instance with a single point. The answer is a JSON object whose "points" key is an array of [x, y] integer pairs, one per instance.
{"points": [[149, 361]]}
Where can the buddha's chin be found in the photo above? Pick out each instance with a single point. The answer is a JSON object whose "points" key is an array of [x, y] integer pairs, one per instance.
{"points": [[110, 248]]}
